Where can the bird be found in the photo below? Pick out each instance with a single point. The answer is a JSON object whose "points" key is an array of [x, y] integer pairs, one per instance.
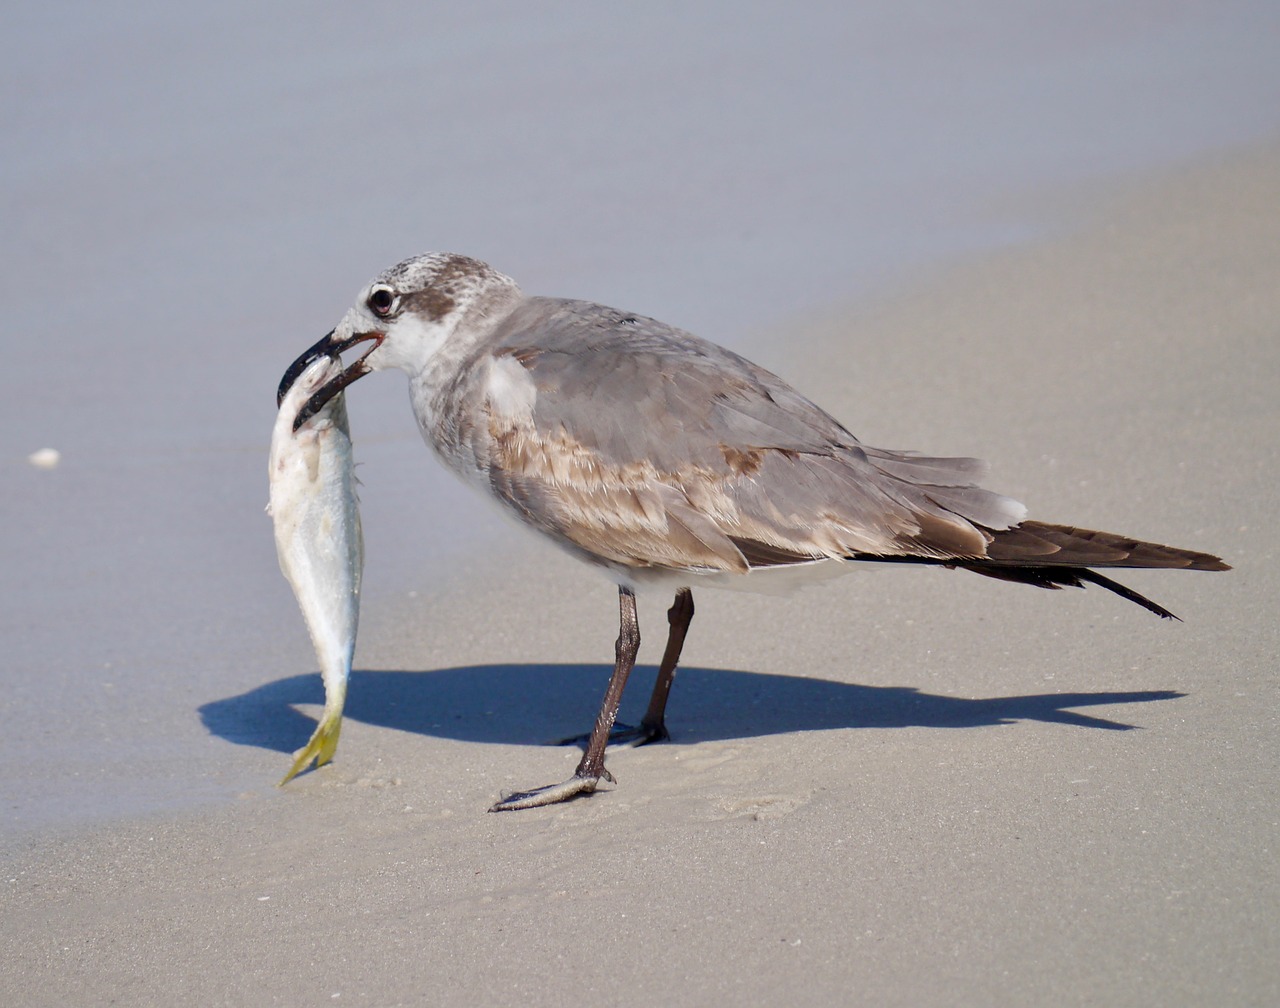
{"points": [[665, 460]]}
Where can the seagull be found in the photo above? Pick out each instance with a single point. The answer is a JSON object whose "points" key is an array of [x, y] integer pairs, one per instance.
{"points": [[665, 460]]}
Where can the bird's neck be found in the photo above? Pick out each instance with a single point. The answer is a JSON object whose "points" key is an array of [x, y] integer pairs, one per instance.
{"points": [[473, 328]]}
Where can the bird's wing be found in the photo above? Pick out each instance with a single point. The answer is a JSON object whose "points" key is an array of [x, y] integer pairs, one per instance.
{"points": [[645, 446]]}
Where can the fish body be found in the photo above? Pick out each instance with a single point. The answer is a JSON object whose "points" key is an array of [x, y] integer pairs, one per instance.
{"points": [[319, 541]]}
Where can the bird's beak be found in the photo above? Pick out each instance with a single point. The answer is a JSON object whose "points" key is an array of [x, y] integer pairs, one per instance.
{"points": [[327, 346]]}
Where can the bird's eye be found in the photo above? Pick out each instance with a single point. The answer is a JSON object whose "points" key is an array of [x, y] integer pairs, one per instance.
{"points": [[382, 301]]}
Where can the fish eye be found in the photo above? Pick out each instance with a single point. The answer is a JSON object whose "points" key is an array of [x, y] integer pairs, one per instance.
{"points": [[382, 301]]}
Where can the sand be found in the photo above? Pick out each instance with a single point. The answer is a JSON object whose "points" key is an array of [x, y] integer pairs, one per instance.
{"points": [[906, 788]]}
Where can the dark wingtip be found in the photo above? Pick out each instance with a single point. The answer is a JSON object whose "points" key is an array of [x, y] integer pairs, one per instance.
{"points": [[1084, 574]]}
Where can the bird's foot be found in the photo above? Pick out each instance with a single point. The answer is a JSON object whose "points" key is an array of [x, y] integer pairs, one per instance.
{"points": [[324, 741], [552, 793], [624, 736]]}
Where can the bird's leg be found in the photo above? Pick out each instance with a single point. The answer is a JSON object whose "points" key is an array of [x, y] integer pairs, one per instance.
{"points": [[652, 727], [628, 643], [591, 768]]}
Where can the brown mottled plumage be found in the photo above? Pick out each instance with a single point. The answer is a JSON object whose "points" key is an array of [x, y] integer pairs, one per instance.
{"points": [[667, 459]]}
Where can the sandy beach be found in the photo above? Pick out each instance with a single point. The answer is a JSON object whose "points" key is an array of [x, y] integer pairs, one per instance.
{"points": [[906, 788], [1048, 239]]}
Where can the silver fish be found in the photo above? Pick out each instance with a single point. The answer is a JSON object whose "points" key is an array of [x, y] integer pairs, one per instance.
{"points": [[318, 539]]}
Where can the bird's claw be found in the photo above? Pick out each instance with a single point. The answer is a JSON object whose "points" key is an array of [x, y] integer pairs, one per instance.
{"points": [[552, 793]]}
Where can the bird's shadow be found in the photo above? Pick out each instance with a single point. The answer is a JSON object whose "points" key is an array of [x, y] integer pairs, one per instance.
{"points": [[532, 704]]}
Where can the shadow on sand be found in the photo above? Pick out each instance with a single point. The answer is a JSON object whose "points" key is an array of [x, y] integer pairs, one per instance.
{"points": [[532, 704]]}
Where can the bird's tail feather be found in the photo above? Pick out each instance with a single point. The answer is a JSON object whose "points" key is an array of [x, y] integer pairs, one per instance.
{"points": [[1058, 556], [1038, 543]]}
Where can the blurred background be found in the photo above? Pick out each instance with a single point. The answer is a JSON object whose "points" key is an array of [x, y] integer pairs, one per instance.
{"points": [[195, 193]]}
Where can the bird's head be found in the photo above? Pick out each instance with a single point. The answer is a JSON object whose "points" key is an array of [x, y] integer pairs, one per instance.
{"points": [[406, 314]]}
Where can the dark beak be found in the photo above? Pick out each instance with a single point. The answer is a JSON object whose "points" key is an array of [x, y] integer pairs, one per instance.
{"points": [[327, 347]]}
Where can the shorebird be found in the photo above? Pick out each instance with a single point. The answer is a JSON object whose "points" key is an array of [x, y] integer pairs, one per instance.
{"points": [[661, 458]]}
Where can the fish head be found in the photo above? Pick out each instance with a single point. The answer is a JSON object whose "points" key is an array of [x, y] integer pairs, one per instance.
{"points": [[310, 376], [329, 347]]}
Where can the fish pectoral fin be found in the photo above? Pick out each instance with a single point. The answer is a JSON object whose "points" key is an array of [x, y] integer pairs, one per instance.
{"points": [[321, 747]]}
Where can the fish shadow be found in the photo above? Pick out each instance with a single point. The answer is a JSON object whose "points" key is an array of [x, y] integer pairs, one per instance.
{"points": [[533, 704]]}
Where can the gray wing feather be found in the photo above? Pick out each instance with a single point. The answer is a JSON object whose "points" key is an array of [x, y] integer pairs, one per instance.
{"points": [[647, 446]]}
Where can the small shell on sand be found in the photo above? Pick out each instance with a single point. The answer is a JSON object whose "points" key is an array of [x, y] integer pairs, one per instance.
{"points": [[45, 458]]}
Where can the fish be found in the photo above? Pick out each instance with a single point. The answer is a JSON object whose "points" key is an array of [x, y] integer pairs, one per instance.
{"points": [[319, 541]]}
